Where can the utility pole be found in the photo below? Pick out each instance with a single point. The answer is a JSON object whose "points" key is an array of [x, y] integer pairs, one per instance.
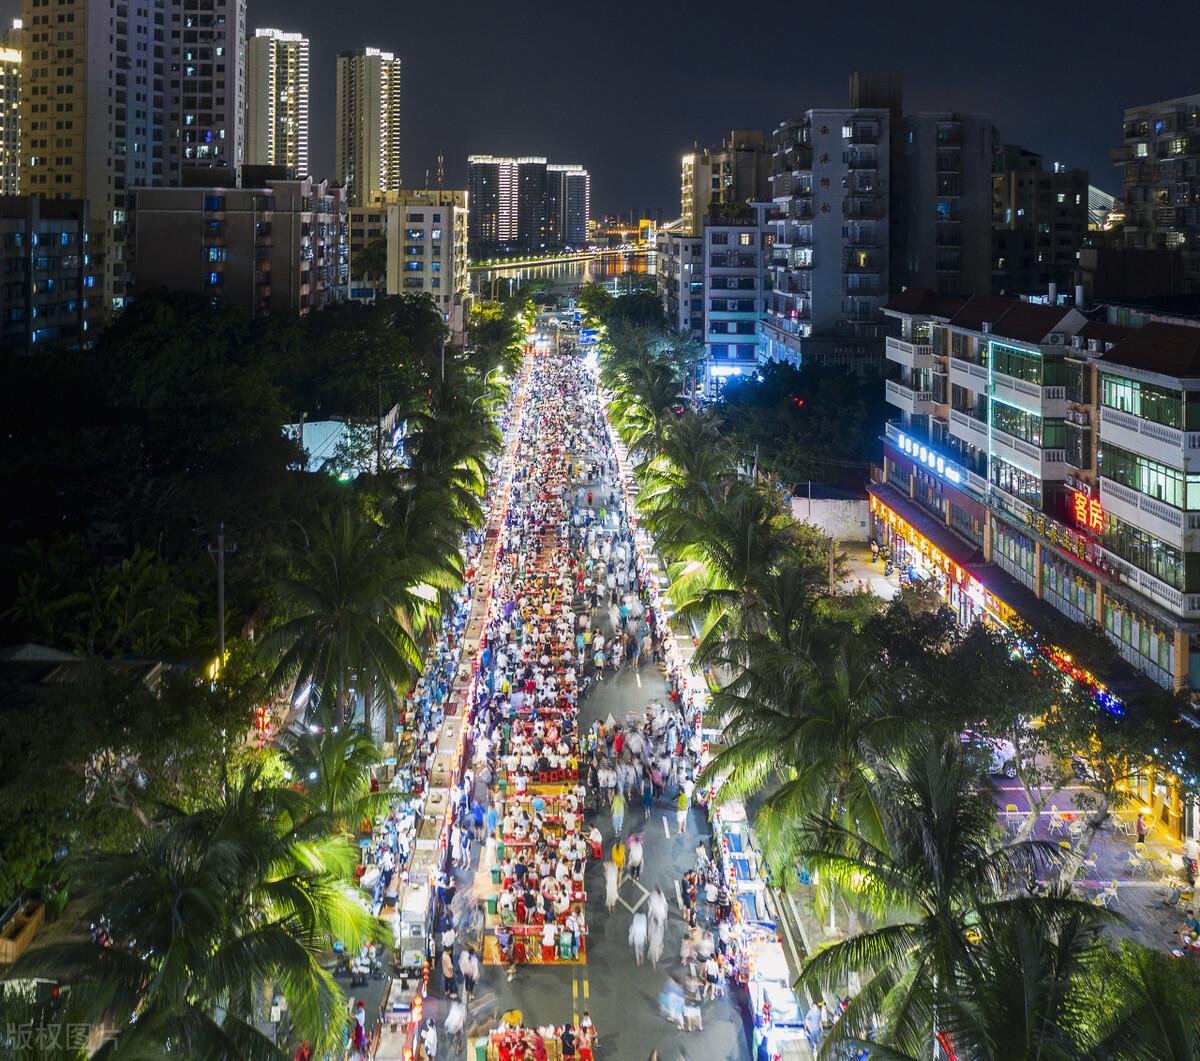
{"points": [[218, 551]]}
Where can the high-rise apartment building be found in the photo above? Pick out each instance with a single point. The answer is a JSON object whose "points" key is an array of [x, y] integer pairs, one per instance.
{"points": [[11, 43], [49, 293], [1160, 160], [871, 200], [680, 271], [533, 207], [738, 242], [208, 86], [427, 250], [739, 172], [273, 246], [368, 123], [527, 203], [568, 204], [277, 100], [941, 231], [1039, 220], [831, 245], [98, 97]]}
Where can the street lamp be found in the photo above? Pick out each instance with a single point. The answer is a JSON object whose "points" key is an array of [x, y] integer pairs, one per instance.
{"points": [[481, 397]]}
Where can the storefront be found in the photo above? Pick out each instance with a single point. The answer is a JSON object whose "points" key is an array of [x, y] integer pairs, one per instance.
{"points": [[923, 548]]}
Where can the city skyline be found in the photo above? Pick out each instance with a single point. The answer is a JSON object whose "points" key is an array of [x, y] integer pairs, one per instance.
{"points": [[1065, 103]]}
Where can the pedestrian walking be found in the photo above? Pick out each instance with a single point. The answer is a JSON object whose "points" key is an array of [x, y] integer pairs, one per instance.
{"points": [[638, 931], [647, 797], [456, 1021], [610, 885], [634, 856], [618, 813], [448, 973], [681, 810], [468, 965], [656, 931], [618, 857]]}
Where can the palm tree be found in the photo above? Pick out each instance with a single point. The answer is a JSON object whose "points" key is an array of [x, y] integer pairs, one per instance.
{"points": [[818, 723], [207, 909], [1143, 1006], [937, 875], [721, 575], [1022, 996], [349, 607], [334, 768]]}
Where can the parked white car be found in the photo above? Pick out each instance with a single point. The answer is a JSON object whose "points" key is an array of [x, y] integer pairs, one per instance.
{"points": [[1002, 754]]}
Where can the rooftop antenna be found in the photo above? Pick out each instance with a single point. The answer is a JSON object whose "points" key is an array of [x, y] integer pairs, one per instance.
{"points": [[441, 170], [427, 178]]}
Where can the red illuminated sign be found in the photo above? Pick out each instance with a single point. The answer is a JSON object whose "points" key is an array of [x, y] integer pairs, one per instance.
{"points": [[1088, 512]]}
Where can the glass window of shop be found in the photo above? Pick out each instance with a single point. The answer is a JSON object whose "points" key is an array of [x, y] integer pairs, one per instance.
{"points": [[966, 523], [899, 477], [1153, 556], [1079, 446], [929, 492], [1079, 382], [1156, 480], [1028, 365], [1071, 592], [1031, 428], [1017, 482], [1014, 546], [1132, 629], [1158, 404]]}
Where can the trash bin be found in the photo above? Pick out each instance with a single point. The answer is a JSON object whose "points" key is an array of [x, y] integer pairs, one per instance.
{"points": [[496, 875], [500, 849], [491, 904]]}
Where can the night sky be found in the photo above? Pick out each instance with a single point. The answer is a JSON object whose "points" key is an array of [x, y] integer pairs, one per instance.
{"points": [[625, 87]]}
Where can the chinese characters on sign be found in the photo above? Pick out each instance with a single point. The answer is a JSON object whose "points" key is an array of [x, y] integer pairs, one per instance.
{"points": [[1088, 512]]}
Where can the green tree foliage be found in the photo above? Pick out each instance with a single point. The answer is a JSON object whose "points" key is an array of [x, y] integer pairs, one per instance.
{"points": [[371, 261], [205, 908], [817, 423]]}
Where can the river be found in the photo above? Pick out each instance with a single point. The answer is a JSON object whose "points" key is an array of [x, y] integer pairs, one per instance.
{"points": [[566, 277]]}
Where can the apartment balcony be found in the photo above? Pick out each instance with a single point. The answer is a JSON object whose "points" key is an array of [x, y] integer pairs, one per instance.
{"points": [[969, 375], [863, 134], [1121, 155], [1155, 517], [1186, 605], [869, 267], [862, 208], [1045, 401], [914, 402], [856, 161], [794, 158], [967, 428], [909, 355], [1167, 445], [1044, 463], [1140, 172]]}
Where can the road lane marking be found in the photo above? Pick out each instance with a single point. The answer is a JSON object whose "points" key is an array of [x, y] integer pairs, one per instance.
{"points": [[639, 678], [679, 895], [666, 827], [586, 989]]}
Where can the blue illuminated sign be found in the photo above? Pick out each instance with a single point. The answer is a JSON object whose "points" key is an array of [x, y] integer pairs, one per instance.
{"points": [[930, 458]]}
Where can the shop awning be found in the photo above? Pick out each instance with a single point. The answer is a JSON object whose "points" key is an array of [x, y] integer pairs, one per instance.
{"points": [[1121, 678], [961, 551]]}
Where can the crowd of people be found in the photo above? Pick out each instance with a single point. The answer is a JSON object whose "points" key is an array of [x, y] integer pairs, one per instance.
{"points": [[571, 603]]}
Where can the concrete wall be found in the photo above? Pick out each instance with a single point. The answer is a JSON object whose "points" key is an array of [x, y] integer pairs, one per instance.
{"points": [[846, 520]]}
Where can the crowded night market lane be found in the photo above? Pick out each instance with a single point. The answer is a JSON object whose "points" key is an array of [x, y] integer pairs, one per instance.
{"points": [[572, 702]]}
